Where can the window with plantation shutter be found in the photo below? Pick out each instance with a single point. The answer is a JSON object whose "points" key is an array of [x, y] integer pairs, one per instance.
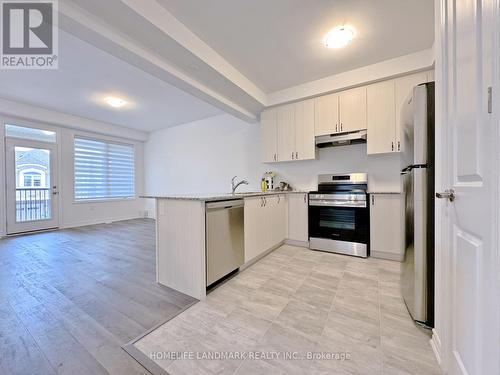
{"points": [[103, 170]]}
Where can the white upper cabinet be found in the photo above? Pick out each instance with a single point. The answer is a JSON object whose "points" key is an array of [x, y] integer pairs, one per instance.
{"points": [[269, 136], [285, 122], [381, 118], [326, 115], [288, 132], [404, 87], [340, 112], [305, 148], [352, 104]]}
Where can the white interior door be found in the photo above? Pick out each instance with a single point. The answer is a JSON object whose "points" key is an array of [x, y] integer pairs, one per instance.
{"points": [[31, 185], [470, 147]]}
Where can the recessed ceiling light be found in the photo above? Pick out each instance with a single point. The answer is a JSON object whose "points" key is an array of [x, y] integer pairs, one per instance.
{"points": [[115, 102], [340, 36]]}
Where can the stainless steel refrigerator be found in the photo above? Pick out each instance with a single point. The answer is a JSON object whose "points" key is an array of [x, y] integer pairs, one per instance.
{"points": [[417, 177]]}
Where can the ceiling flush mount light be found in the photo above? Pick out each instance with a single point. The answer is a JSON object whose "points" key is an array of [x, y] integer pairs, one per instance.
{"points": [[340, 36], [115, 102]]}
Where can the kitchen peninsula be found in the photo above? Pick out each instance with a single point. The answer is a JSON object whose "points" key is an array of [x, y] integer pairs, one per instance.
{"points": [[181, 232]]}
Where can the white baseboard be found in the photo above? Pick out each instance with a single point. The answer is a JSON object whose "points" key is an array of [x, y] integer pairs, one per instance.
{"points": [[84, 223], [151, 213], [386, 255], [436, 346], [297, 243]]}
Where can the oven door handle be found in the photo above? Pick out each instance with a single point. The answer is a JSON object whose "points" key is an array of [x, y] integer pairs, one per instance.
{"points": [[332, 203]]}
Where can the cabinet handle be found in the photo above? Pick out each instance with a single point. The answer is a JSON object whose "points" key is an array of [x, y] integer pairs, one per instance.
{"points": [[373, 200], [279, 199], [392, 146], [296, 155], [292, 155], [305, 199], [341, 126], [399, 146]]}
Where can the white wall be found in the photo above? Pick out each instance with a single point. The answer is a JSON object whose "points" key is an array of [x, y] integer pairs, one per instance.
{"points": [[202, 156], [70, 213]]}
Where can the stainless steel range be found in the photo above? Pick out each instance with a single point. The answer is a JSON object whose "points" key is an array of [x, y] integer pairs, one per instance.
{"points": [[339, 218]]}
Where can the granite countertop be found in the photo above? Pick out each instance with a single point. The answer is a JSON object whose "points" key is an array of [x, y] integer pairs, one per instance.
{"points": [[222, 196]]}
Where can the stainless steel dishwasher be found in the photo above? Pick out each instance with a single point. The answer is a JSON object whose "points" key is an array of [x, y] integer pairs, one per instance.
{"points": [[225, 240]]}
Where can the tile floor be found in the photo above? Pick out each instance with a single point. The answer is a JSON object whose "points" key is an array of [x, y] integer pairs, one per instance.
{"points": [[293, 302]]}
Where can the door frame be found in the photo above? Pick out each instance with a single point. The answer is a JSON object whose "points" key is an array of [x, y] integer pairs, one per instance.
{"points": [[12, 227]]}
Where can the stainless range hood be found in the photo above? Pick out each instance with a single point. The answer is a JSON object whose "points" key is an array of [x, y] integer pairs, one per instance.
{"points": [[342, 139]]}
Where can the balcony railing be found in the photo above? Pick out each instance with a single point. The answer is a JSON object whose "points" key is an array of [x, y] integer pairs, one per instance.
{"points": [[33, 204]]}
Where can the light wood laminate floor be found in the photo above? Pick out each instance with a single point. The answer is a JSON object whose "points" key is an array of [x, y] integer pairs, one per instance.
{"points": [[297, 301], [70, 299]]}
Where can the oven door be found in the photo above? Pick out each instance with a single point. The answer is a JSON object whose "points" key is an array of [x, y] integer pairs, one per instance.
{"points": [[330, 222]]}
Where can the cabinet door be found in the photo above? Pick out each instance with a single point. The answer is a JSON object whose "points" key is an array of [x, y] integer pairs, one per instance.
{"points": [[326, 114], [381, 117], [298, 217], [385, 228], [285, 120], [254, 222], [270, 213], [268, 134], [305, 148], [352, 105], [403, 90], [281, 219]]}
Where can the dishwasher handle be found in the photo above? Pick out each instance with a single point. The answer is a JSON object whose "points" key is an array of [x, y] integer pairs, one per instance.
{"points": [[224, 205]]}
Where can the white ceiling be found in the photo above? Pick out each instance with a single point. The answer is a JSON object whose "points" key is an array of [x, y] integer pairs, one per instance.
{"points": [[86, 74], [278, 44]]}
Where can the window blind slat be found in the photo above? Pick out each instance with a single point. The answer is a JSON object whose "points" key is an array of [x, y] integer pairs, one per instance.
{"points": [[103, 169]]}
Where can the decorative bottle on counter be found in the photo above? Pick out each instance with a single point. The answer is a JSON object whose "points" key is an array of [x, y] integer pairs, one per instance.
{"points": [[263, 185]]}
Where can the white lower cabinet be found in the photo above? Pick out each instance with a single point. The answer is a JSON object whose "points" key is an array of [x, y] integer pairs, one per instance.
{"points": [[265, 224], [298, 226], [385, 226]]}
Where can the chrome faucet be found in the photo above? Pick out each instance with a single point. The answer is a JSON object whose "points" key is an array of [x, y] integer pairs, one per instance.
{"points": [[235, 186]]}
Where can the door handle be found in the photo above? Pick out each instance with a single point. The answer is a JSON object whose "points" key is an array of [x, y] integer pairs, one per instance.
{"points": [[447, 194]]}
